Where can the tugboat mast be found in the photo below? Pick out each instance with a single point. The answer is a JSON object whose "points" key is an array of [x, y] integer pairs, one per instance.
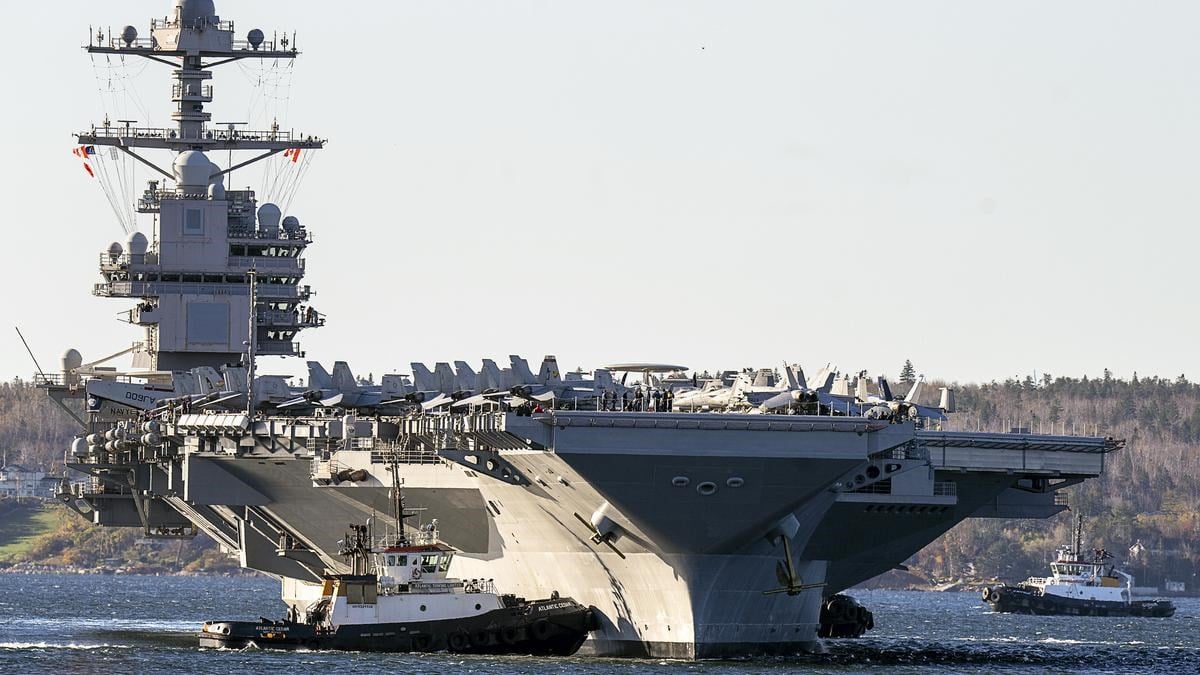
{"points": [[1079, 536]]}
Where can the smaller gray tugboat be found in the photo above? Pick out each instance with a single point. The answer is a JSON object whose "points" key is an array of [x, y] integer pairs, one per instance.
{"points": [[1077, 587], [399, 598]]}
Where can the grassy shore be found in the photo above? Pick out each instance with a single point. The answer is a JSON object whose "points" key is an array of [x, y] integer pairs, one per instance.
{"points": [[20, 528]]}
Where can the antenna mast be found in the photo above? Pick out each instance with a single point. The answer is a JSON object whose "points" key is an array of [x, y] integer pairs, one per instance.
{"points": [[251, 351], [1078, 536], [398, 499]]}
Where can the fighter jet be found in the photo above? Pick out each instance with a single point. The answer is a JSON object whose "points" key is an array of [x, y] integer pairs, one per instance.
{"points": [[887, 405]]}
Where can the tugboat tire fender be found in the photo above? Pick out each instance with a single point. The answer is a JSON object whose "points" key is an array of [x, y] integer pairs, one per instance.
{"points": [[421, 642], [458, 641], [510, 635], [541, 629], [481, 638]]}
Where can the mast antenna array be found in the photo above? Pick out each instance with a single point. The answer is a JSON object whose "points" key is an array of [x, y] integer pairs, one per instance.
{"points": [[193, 41]]}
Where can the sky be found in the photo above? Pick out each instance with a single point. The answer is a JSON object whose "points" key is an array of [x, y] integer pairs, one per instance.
{"points": [[991, 190]]}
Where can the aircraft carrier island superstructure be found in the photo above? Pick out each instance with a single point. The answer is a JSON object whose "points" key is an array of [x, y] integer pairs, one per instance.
{"points": [[711, 520]]}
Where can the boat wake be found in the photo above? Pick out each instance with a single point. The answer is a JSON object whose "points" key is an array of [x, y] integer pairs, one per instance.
{"points": [[16, 646]]}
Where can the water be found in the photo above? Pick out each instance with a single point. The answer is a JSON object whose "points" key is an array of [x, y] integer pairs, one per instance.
{"points": [[123, 624]]}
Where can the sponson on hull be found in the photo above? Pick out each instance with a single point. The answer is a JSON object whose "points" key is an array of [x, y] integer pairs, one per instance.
{"points": [[406, 602]]}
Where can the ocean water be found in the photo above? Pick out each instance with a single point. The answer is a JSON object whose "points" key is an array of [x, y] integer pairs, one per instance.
{"points": [[130, 624]]}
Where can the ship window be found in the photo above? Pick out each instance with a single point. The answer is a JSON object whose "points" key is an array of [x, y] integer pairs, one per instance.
{"points": [[445, 566], [193, 222], [391, 560], [429, 562], [401, 560]]}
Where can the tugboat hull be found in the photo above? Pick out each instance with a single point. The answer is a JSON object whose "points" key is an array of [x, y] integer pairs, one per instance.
{"points": [[1021, 600], [546, 627]]}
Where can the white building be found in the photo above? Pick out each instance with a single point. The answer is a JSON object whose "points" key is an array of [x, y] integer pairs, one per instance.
{"points": [[18, 481]]}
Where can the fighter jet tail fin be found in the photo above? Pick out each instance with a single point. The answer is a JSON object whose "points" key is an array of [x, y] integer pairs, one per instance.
{"points": [[520, 370], [549, 374], [423, 379], [343, 379], [914, 394], [795, 376], [602, 379], [491, 376], [467, 379], [444, 376], [318, 377], [885, 391]]}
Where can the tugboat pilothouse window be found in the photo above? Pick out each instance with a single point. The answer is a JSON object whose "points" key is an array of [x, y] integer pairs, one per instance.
{"points": [[193, 222]]}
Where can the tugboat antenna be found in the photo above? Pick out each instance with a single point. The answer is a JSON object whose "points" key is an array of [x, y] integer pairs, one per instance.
{"points": [[1078, 536], [398, 499]]}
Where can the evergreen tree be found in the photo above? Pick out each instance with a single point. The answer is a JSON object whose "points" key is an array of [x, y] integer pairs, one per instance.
{"points": [[908, 374]]}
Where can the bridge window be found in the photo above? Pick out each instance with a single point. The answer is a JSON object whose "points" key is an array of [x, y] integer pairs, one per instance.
{"points": [[193, 222], [429, 562]]}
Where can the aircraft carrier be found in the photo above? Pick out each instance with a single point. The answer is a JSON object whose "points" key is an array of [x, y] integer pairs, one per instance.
{"points": [[696, 531]]}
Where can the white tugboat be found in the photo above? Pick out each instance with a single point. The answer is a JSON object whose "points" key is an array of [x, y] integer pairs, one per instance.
{"points": [[399, 597], [1077, 586]]}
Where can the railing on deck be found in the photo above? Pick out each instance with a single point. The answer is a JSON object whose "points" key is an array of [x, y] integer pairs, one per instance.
{"points": [[945, 488]]}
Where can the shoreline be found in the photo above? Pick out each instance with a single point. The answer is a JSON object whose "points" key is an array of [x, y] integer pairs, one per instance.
{"points": [[26, 569]]}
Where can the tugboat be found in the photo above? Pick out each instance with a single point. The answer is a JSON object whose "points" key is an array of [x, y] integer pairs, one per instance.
{"points": [[399, 598], [1077, 587]]}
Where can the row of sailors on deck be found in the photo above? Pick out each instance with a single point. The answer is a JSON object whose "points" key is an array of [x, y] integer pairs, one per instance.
{"points": [[658, 400]]}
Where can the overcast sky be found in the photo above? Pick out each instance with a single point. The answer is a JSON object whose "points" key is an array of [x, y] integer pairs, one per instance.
{"points": [[988, 189]]}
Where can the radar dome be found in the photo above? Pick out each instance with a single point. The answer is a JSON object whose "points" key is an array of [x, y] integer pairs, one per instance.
{"points": [[192, 169], [291, 224], [255, 38], [268, 218], [216, 191], [189, 11], [138, 244], [115, 250], [71, 360], [215, 177], [129, 34]]}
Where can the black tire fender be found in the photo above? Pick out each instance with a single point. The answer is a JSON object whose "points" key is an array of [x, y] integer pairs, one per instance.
{"points": [[481, 638], [458, 641], [540, 629], [510, 635]]}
